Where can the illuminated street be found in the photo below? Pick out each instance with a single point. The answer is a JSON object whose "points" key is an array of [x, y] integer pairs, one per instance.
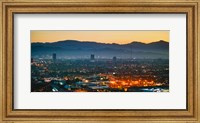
{"points": [[100, 75]]}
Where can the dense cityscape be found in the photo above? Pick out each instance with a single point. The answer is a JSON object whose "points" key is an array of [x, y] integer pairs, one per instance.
{"points": [[99, 75]]}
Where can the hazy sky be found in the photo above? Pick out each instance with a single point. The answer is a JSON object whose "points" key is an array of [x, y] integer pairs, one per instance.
{"points": [[119, 37]]}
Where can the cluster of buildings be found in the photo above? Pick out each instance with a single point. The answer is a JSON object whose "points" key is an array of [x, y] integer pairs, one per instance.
{"points": [[98, 75]]}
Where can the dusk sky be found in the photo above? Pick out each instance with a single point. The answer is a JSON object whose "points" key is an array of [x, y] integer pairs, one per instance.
{"points": [[119, 37]]}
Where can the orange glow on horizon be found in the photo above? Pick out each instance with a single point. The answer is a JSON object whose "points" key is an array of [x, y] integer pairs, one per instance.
{"points": [[119, 37]]}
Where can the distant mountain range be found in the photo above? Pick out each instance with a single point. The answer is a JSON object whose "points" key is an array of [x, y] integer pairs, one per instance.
{"points": [[78, 49]]}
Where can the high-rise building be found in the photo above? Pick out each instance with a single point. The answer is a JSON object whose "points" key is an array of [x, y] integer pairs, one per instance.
{"points": [[54, 57], [31, 60], [92, 59], [114, 59]]}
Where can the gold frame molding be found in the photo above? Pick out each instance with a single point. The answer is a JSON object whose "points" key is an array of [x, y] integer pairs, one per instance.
{"points": [[10, 7]]}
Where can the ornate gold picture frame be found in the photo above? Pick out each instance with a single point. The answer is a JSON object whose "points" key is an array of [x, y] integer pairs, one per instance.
{"points": [[10, 7]]}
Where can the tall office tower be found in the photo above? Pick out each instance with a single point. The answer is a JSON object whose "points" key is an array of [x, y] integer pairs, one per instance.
{"points": [[92, 59], [32, 60], [114, 59], [54, 57]]}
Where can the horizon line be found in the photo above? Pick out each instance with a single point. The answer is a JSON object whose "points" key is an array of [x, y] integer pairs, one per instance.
{"points": [[99, 42]]}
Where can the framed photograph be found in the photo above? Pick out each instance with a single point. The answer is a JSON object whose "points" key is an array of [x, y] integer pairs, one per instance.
{"points": [[97, 61]]}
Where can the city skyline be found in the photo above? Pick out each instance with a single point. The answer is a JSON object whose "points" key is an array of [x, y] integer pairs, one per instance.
{"points": [[118, 37], [100, 61]]}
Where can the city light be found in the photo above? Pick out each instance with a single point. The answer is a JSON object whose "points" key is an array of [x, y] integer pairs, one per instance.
{"points": [[100, 75]]}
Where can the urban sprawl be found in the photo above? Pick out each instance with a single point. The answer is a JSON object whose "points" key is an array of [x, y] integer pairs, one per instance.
{"points": [[99, 75]]}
